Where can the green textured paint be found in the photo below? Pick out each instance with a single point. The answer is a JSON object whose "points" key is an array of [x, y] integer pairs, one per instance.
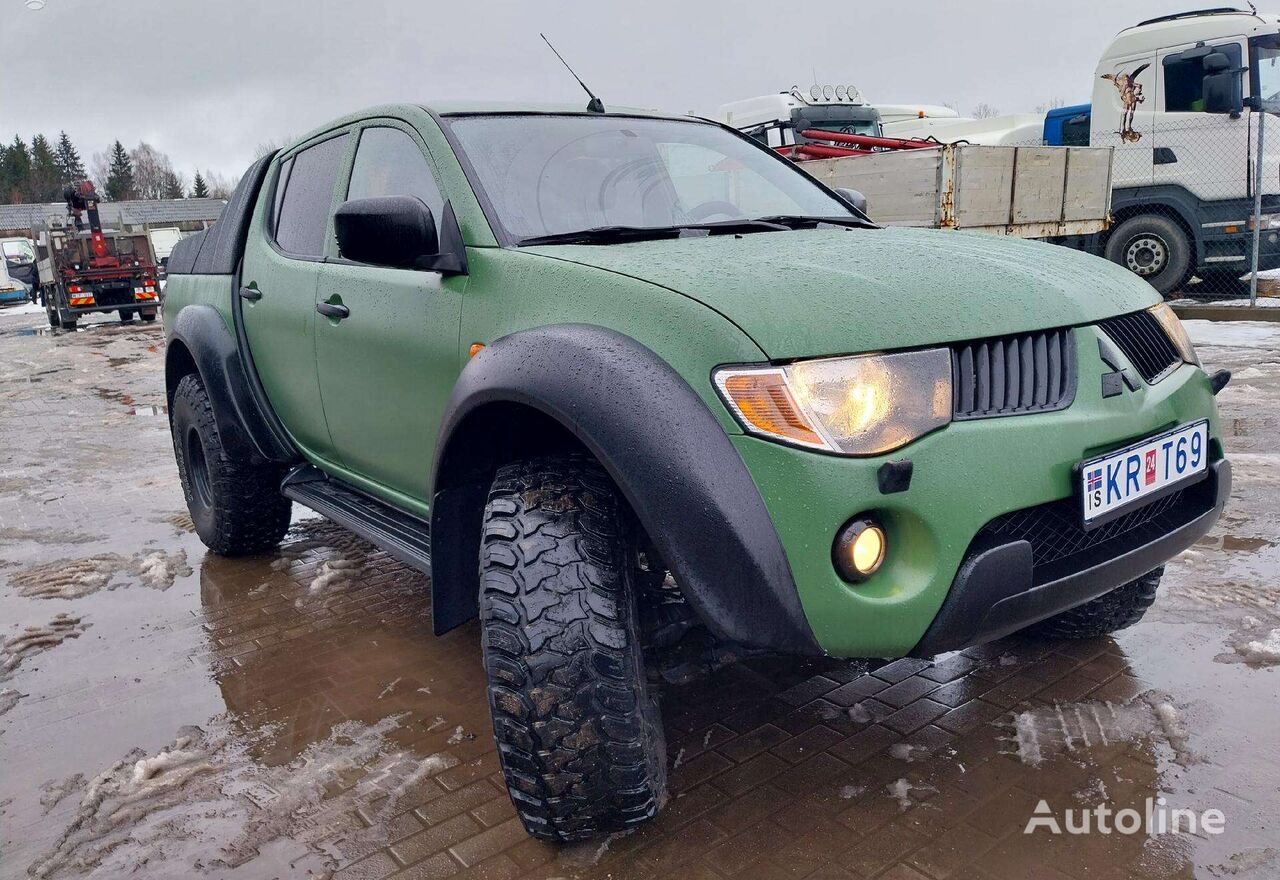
{"points": [[835, 291], [699, 303], [965, 475]]}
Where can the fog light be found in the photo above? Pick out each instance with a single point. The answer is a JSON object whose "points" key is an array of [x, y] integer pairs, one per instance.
{"points": [[859, 550]]}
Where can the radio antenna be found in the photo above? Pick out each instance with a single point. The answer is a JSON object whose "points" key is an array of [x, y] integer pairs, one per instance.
{"points": [[595, 105]]}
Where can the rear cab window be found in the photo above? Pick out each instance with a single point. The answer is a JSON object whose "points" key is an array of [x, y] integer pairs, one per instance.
{"points": [[303, 206]]}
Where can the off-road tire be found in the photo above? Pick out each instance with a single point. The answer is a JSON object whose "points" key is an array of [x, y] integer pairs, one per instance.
{"points": [[579, 738], [235, 505], [1114, 611], [1174, 247]]}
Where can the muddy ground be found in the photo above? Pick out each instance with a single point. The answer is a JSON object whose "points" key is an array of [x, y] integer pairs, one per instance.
{"points": [[168, 713]]}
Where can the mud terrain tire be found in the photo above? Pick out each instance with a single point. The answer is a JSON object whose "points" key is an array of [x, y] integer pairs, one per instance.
{"points": [[579, 739], [1114, 611], [236, 506]]}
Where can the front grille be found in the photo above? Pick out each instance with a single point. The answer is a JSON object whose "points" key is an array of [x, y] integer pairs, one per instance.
{"points": [[1144, 343], [1013, 375], [1057, 535]]}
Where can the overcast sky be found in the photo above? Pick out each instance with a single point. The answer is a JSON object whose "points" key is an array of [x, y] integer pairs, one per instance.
{"points": [[207, 81]]}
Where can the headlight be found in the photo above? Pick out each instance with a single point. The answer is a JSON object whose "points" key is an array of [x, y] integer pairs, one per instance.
{"points": [[1176, 332], [864, 405]]}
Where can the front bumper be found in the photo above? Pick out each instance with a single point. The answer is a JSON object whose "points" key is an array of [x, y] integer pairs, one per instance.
{"points": [[965, 476], [1000, 589]]}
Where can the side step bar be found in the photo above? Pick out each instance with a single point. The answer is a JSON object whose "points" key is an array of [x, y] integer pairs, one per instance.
{"points": [[404, 536]]}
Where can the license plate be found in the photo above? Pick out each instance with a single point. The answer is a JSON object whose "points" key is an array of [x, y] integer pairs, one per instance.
{"points": [[1120, 481]]}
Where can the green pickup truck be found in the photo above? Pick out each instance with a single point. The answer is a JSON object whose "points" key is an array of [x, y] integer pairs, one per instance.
{"points": [[552, 356]]}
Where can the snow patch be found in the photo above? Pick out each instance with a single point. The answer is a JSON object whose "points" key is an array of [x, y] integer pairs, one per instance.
{"points": [[1047, 731], [36, 639], [1261, 652], [73, 578]]}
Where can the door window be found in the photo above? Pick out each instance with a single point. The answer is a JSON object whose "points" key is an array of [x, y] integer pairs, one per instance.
{"points": [[1184, 79], [390, 163], [308, 196]]}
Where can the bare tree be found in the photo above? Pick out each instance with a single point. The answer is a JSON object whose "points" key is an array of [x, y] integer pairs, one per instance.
{"points": [[153, 174], [272, 146], [100, 170], [220, 187], [985, 111], [1051, 104]]}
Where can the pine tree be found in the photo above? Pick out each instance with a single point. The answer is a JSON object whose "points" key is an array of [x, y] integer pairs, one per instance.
{"points": [[70, 168], [16, 173], [119, 184], [171, 185], [45, 184], [199, 189]]}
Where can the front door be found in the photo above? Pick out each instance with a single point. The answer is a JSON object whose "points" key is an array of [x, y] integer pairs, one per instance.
{"points": [[387, 368], [1206, 153], [281, 268]]}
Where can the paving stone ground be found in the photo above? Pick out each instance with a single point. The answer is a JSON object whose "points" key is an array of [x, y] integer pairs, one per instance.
{"points": [[294, 716]]}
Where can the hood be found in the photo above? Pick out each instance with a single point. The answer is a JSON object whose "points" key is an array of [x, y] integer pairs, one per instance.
{"points": [[825, 292]]}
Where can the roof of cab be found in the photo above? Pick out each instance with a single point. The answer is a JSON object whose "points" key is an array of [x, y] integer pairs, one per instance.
{"points": [[464, 108], [1188, 28]]}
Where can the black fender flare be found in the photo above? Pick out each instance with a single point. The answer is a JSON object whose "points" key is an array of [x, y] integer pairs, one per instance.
{"points": [[1167, 199], [672, 460], [244, 429]]}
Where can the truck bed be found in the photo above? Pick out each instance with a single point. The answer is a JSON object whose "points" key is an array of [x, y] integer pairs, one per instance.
{"points": [[1029, 192]]}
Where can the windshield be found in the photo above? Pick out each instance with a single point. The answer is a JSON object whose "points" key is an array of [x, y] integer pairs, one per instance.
{"points": [[847, 126], [1266, 70], [18, 251], [550, 175]]}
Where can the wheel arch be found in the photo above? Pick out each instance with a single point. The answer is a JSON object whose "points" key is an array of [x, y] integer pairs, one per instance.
{"points": [[200, 342], [1173, 203], [574, 386]]}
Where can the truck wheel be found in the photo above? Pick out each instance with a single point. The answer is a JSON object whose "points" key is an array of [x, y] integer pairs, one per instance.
{"points": [[54, 320], [579, 738], [235, 505], [147, 316], [1121, 608], [1154, 248], [125, 316]]}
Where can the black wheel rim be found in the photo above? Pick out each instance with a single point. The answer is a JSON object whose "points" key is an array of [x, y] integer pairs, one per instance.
{"points": [[198, 470]]}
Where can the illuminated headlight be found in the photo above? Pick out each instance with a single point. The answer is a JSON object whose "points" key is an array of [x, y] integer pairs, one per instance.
{"points": [[1177, 333], [863, 405]]}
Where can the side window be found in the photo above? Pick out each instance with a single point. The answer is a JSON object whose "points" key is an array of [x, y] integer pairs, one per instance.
{"points": [[308, 195], [1184, 79], [1075, 131], [390, 163]]}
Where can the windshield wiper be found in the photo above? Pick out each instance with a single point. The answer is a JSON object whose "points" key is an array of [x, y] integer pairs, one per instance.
{"points": [[618, 234], [796, 221]]}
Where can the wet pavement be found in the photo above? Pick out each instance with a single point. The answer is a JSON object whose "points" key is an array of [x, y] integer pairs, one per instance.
{"points": [[168, 713]]}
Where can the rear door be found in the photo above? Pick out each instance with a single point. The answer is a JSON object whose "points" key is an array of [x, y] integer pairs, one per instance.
{"points": [[386, 369], [281, 272]]}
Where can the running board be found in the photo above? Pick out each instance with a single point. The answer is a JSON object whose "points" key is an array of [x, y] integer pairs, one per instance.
{"points": [[404, 536]]}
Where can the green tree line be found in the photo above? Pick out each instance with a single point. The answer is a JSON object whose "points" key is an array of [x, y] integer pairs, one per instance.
{"points": [[38, 172]]}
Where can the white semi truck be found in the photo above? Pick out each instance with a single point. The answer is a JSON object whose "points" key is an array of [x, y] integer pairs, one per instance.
{"points": [[1181, 99]]}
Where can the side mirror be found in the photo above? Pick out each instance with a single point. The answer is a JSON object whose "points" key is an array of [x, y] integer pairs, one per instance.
{"points": [[854, 198], [389, 231], [1221, 86]]}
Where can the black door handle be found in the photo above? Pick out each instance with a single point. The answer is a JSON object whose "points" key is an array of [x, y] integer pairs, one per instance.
{"points": [[252, 294], [330, 310]]}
